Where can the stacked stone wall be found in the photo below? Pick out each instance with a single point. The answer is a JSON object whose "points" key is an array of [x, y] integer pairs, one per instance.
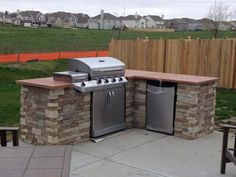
{"points": [[60, 116], [129, 115], [140, 88], [195, 110]]}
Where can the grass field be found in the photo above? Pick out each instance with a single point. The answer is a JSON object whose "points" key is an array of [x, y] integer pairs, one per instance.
{"points": [[10, 91], [21, 40]]}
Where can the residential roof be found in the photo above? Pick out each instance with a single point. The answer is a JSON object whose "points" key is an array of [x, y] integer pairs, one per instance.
{"points": [[59, 14], [107, 16], [82, 18], [131, 17], [33, 14], [11, 15], [206, 21], [182, 21], [24, 14], [155, 17]]}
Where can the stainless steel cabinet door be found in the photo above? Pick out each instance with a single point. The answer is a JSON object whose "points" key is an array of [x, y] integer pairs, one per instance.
{"points": [[108, 111], [116, 109], [160, 109]]}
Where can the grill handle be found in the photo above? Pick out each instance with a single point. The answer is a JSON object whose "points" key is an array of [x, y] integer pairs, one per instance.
{"points": [[112, 69]]}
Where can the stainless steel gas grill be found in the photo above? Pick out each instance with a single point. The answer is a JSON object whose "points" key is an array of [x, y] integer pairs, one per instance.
{"points": [[104, 73], [106, 82]]}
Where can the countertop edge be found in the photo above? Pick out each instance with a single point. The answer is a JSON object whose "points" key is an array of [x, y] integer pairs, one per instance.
{"points": [[32, 83], [49, 83], [169, 80]]}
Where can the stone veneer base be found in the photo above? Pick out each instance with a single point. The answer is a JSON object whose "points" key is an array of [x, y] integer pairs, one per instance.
{"points": [[62, 116], [59, 116]]}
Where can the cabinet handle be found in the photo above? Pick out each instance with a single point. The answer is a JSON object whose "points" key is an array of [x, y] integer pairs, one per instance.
{"points": [[109, 98]]}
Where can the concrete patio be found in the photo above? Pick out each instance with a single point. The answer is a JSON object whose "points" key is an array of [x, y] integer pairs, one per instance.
{"points": [[137, 152]]}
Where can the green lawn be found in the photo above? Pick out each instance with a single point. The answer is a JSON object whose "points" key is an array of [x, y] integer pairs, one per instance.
{"points": [[10, 91], [226, 103], [19, 39]]}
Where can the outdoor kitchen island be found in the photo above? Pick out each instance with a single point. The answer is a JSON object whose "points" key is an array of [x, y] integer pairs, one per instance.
{"points": [[53, 112]]}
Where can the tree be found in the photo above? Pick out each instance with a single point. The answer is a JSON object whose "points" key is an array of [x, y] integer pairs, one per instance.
{"points": [[218, 13]]}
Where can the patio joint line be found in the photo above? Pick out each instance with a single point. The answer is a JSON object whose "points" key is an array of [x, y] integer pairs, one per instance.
{"points": [[88, 164], [63, 161], [28, 162], [137, 168], [87, 153]]}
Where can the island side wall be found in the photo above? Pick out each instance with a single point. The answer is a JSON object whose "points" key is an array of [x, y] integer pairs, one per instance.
{"points": [[195, 108], [58, 116]]}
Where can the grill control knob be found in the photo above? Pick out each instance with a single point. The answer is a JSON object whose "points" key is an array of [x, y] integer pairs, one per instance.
{"points": [[106, 81], [99, 81], [114, 80], [120, 79], [83, 84]]}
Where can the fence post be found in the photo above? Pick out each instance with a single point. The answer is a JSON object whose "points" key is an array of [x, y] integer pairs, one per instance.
{"points": [[18, 57]]}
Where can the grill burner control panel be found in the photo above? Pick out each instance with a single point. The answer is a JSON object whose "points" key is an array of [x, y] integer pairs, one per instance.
{"points": [[99, 84]]}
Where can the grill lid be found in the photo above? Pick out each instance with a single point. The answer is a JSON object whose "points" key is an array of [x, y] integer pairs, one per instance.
{"points": [[98, 66], [70, 76]]}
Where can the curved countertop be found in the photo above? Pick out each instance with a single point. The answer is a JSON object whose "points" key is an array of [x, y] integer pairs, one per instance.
{"points": [[49, 83]]}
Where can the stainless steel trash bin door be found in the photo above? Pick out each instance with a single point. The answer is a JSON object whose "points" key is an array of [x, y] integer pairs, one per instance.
{"points": [[160, 109]]}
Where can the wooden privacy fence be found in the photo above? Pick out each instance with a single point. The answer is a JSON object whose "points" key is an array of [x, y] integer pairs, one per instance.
{"points": [[205, 57]]}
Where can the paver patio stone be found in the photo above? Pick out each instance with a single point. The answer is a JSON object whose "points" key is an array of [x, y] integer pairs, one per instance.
{"points": [[31, 161], [11, 173], [16, 152], [13, 163], [43, 173], [45, 163], [49, 151]]}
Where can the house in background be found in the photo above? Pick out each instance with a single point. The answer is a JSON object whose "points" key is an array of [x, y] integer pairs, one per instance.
{"points": [[82, 20], [151, 22], [69, 20], [12, 18], [225, 26], [31, 19], [93, 24], [62, 19], [184, 24], [104, 21], [232, 25], [2, 17], [131, 21]]}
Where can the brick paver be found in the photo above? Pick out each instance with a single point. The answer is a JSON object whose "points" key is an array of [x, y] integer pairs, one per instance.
{"points": [[36, 161]]}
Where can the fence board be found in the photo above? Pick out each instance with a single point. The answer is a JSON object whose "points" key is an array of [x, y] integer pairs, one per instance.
{"points": [[205, 57], [234, 56]]}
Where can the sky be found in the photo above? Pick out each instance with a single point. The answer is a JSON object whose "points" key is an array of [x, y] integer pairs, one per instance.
{"points": [[169, 8]]}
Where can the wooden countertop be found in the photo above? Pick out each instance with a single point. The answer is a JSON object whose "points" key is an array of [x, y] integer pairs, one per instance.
{"points": [[169, 77], [49, 83]]}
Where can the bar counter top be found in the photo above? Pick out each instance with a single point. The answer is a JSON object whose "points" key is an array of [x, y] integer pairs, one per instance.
{"points": [[49, 83]]}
